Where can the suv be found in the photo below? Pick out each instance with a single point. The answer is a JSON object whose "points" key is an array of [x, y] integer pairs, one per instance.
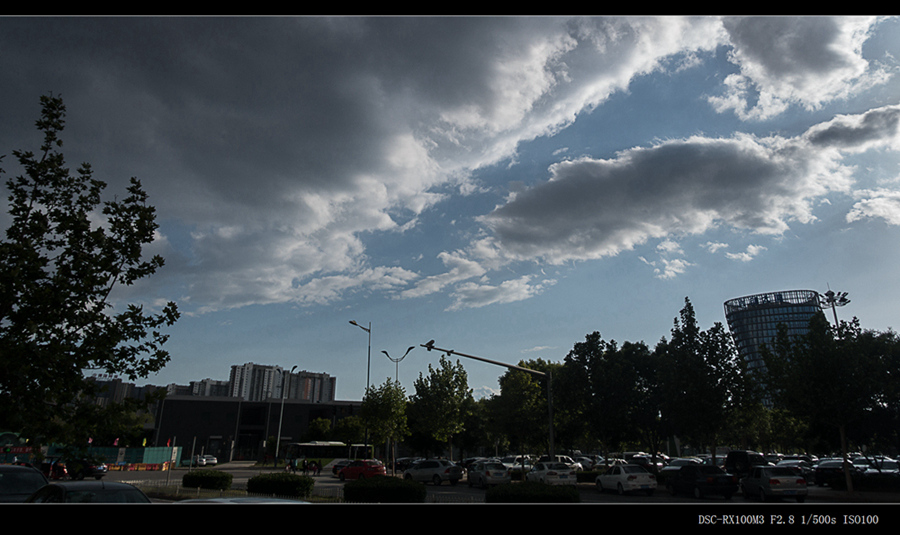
{"points": [[565, 459], [434, 470], [739, 462]]}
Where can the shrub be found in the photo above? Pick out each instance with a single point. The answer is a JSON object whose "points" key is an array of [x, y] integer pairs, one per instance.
{"points": [[384, 489], [207, 479], [532, 492], [281, 484]]}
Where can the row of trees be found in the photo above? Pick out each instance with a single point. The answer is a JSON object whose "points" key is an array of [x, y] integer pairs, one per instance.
{"points": [[833, 389]]}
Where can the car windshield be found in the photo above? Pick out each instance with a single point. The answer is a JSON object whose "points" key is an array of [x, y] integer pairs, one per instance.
{"points": [[557, 466], [634, 469], [494, 466]]}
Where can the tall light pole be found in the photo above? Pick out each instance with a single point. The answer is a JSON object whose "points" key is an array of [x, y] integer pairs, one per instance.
{"points": [[397, 362], [368, 371], [369, 353], [833, 300], [281, 417]]}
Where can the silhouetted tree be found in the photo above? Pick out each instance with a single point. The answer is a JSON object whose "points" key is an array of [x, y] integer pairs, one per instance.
{"points": [[62, 256]]}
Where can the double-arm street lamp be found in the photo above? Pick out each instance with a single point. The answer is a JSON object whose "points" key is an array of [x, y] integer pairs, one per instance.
{"points": [[430, 345], [397, 361]]}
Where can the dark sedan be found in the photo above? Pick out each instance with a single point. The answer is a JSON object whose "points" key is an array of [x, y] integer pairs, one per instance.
{"points": [[828, 471], [88, 492], [17, 483], [699, 480]]}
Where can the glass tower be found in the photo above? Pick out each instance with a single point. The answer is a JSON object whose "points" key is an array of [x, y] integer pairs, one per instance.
{"points": [[753, 320]]}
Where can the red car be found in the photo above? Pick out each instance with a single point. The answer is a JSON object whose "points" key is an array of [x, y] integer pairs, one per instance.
{"points": [[362, 469]]}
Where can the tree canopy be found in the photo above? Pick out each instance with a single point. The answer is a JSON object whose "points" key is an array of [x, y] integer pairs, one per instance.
{"points": [[64, 252]]}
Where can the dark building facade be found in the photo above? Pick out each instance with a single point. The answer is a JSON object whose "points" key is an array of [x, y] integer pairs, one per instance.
{"points": [[234, 429], [753, 320]]}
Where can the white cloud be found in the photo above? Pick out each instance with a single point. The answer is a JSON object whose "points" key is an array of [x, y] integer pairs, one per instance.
{"points": [[807, 61], [748, 255], [881, 204], [476, 295]]}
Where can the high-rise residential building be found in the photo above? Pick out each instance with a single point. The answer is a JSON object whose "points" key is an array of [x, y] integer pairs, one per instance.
{"points": [[753, 320], [257, 382]]}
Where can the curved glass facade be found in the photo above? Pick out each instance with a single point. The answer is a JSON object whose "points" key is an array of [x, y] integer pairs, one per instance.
{"points": [[753, 320]]}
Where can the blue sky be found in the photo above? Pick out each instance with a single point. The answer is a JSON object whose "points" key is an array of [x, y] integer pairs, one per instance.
{"points": [[503, 186]]}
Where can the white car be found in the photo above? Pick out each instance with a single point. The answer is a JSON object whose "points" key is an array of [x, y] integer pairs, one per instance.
{"points": [[552, 474], [210, 460], [624, 478]]}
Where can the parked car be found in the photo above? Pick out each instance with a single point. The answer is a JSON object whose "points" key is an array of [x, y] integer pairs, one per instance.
{"points": [[339, 465], [565, 459], [210, 460], [361, 469], [626, 478], [552, 474], [803, 469], [17, 483], [826, 471], [739, 462], [883, 467], [647, 461], [434, 470], [88, 492], [54, 468], [700, 480], [405, 462], [586, 462], [486, 473], [82, 468], [676, 464], [767, 482]]}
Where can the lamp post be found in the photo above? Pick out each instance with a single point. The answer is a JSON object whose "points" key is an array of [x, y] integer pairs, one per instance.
{"points": [[833, 300], [368, 370], [281, 417], [397, 362], [369, 353]]}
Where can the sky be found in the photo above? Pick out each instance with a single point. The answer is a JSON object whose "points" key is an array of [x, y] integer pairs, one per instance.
{"points": [[503, 186]]}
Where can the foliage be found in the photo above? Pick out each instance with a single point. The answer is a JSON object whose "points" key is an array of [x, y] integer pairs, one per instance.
{"points": [[349, 430], [520, 410], [384, 490], [384, 411], [61, 259], [280, 484], [702, 377], [207, 479], [532, 492], [441, 400], [833, 376], [318, 429]]}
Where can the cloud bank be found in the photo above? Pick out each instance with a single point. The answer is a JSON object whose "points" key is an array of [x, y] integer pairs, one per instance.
{"points": [[280, 146]]}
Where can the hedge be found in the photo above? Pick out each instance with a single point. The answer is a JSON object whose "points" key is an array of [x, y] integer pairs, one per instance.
{"points": [[207, 479], [281, 484]]}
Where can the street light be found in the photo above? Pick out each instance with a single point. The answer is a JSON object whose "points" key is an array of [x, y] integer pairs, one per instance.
{"points": [[369, 353], [397, 361], [281, 417], [368, 370], [832, 299]]}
